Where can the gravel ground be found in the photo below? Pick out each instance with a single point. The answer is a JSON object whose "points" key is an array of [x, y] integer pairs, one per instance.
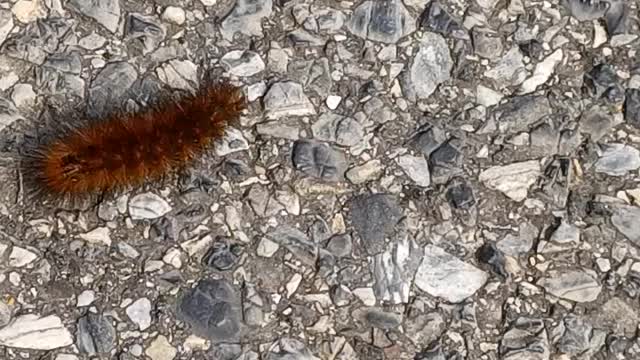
{"points": [[430, 180]]}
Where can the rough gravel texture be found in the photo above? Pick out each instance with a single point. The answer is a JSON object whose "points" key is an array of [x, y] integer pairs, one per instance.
{"points": [[429, 180]]}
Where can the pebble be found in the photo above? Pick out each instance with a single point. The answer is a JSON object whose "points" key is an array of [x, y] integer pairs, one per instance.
{"points": [[105, 13], [161, 349], [175, 15], [618, 159], [27, 11], [430, 66], [287, 98], [416, 168], [148, 206], [573, 285], [443, 275], [98, 236], [139, 312], [86, 298], [6, 24], [333, 101], [242, 63], [387, 21], [369, 171], [513, 180], [20, 257]]}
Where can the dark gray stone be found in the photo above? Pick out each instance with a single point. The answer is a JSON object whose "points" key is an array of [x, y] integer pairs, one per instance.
{"points": [[632, 107], [296, 242], [489, 254], [95, 334], [319, 160], [340, 245], [381, 319], [617, 17], [521, 112], [525, 339], [110, 86], [221, 255], [586, 10], [437, 19], [374, 217], [385, 21], [487, 43], [37, 41], [603, 82], [212, 309], [460, 194]]}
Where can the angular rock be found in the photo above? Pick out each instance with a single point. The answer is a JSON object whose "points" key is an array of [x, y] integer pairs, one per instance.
{"points": [[625, 219], [109, 87], [296, 242], [319, 160], [618, 159], [289, 349], [6, 24], [513, 180], [385, 21], [444, 275], [374, 217], [416, 168], [339, 129], [105, 12], [369, 171], [242, 63], [632, 107], [543, 71], [140, 313], [37, 333], [586, 10], [520, 112], [246, 18], [460, 194], [430, 67], [95, 334], [148, 31], [436, 18], [603, 82], [212, 309], [526, 339], [394, 269], [161, 349], [287, 98], [486, 43], [509, 70], [573, 285], [148, 206]]}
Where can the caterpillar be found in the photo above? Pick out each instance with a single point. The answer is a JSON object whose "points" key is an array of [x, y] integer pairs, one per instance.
{"points": [[127, 149]]}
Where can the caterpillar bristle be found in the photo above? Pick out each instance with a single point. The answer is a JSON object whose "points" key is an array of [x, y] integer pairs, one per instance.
{"points": [[79, 160]]}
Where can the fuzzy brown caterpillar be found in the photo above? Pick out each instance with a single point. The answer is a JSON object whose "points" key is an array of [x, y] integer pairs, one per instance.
{"points": [[129, 148]]}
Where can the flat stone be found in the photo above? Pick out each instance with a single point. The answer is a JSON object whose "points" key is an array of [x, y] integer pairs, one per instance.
{"points": [[179, 74], [287, 98], [437, 19], [430, 67], [110, 86], [486, 43], [242, 63], [145, 31], [444, 275], [246, 18], [542, 72], [341, 130], [20, 257], [385, 21], [6, 24], [161, 349], [509, 70], [95, 334], [513, 180], [617, 315], [140, 313], [319, 160], [374, 217], [586, 10], [232, 141], [369, 171], [573, 285], [521, 112], [148, 206], [289, 349], [618, 159], [27, 11], [105, 12], [416, 168], [625, 219], [86, 298], [98, 236], [394, 269], [526, 339], [212, 309], [34, 332]]}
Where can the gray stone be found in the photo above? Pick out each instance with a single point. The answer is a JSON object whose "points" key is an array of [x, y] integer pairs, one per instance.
{"points": [[340, 245], [246, 18], [339, 129], [319, 160], [147, 31], [617, 315], [486, 43], [161, 349], [242, 63], [375, 217], [110, 86], [5, 312], [573, 285], [212, 309], [430, 67], [424, 329], [632, 107], [596, 123], [617, 18], [379, 318], [509, 70], [565, 236], [618, 159], [513, 180], [515, 245], [369, 171], [436, 18], [314, 75], [140, 313], [393, 270], [444, 275], [95, 334], [37, 41], [576, 338], [586, 10], [526, 339], [31, 331], [105, 12], [179, 74], [602, 81], [542, 72], [625, 219], [329, 20], [416, 168], [520, 112], [8, 113], [296, 242], [6, 24], [385, 21], [148, 206], [232, 141], [287, 98], [289, 349]]}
